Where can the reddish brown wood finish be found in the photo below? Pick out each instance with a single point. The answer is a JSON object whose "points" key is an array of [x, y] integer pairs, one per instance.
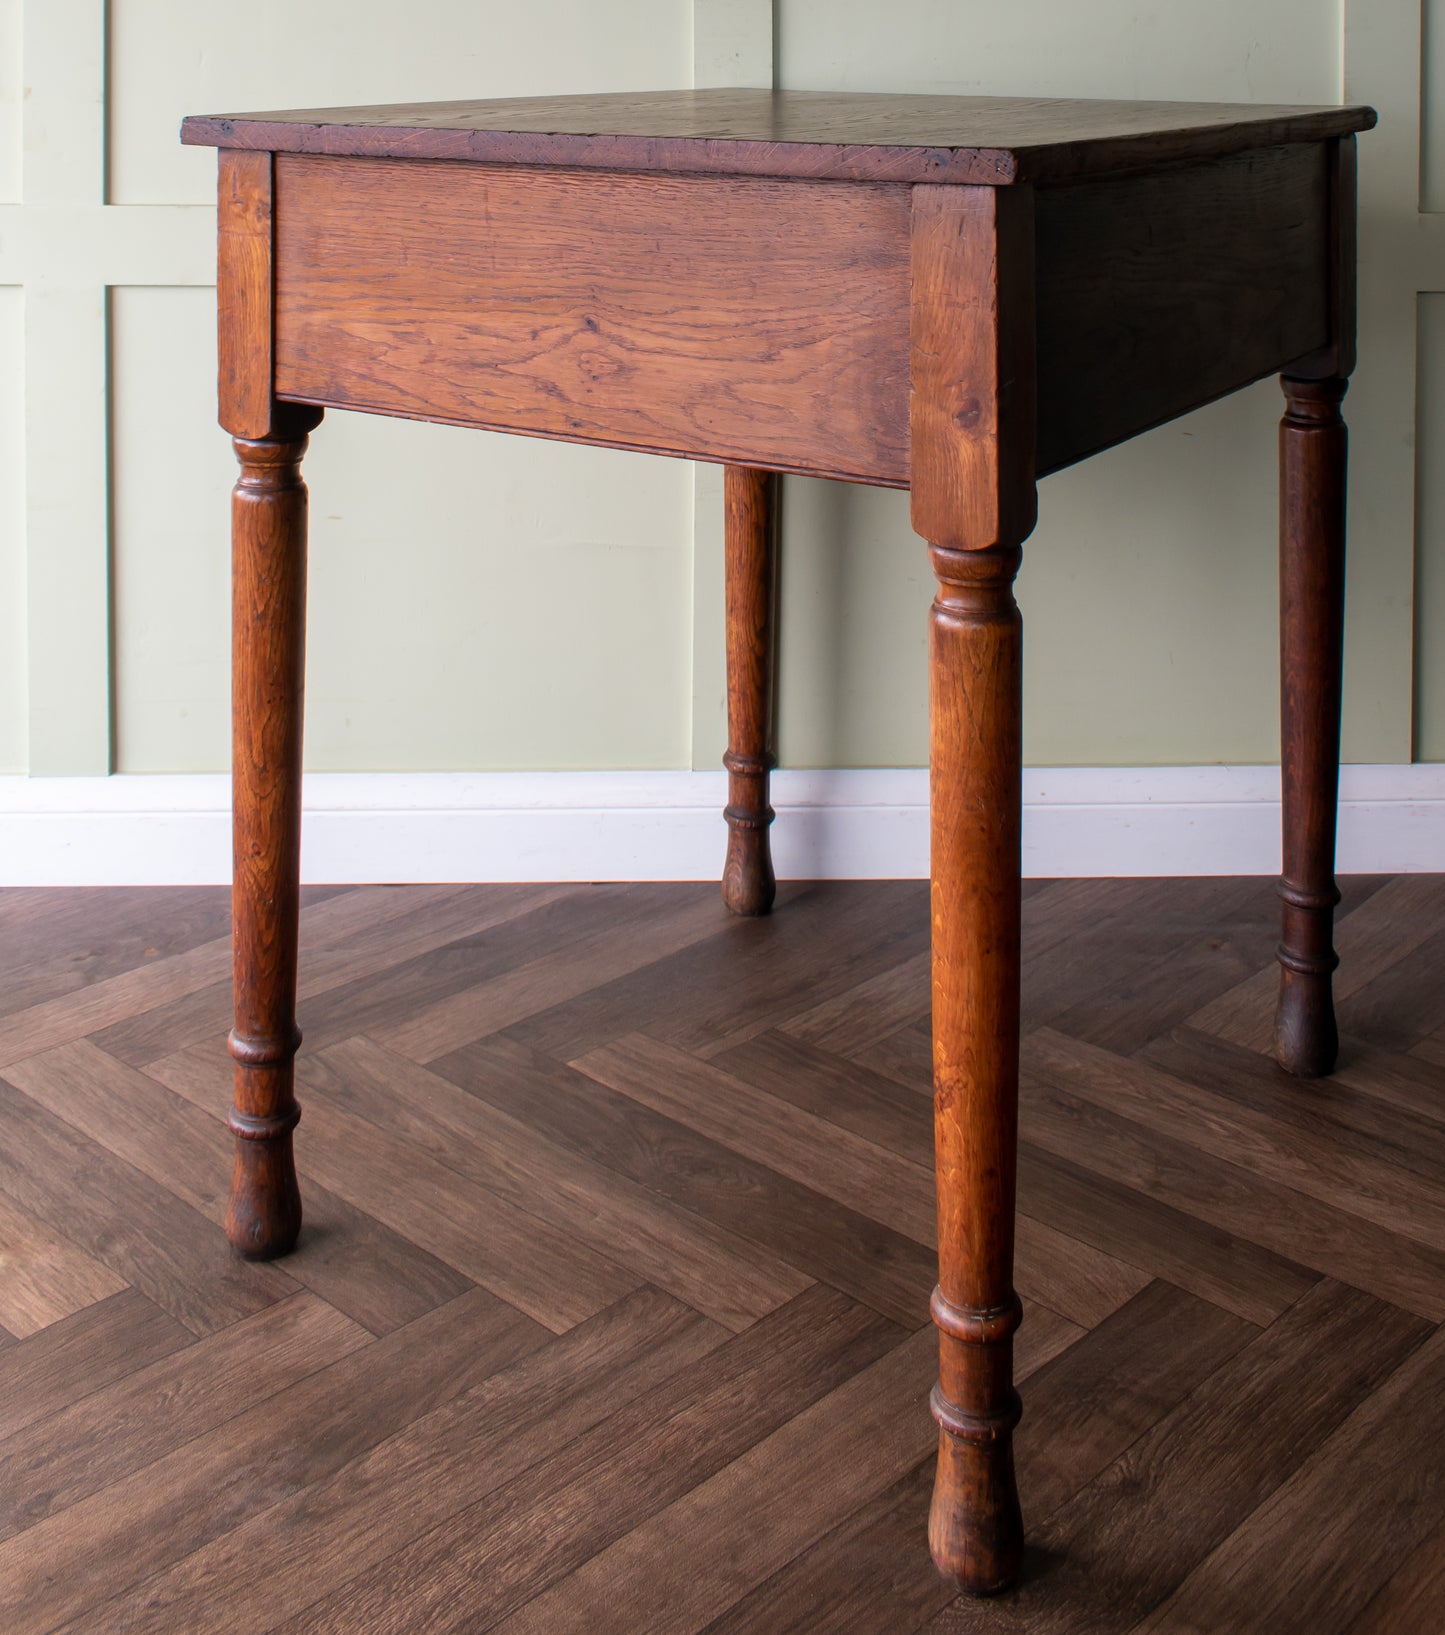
{"points": [[842, 136], [268, 541], [872, 331], [243, 292], [973, 501], [748, 886], [1312, 452], [753, 321]]}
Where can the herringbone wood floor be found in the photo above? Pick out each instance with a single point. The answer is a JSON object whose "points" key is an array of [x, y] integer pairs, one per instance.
{"points": [[611, 1314]]}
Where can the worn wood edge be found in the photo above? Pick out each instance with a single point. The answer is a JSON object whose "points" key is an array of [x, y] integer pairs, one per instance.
{"points": [[245, 304], [973, 432], [813, 161], [1337, 356], [872, 479]]}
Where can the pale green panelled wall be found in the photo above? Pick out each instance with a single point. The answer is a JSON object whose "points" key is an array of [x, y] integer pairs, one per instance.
{"points": [[477, 601], [1430, 452], [484, 602], [13, 754], [1430, 524], [1148, 588]]}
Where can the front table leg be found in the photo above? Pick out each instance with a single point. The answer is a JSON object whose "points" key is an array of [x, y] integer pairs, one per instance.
{"points": [[268, 543], [1312, 616], [748, 886], [975, 670]]}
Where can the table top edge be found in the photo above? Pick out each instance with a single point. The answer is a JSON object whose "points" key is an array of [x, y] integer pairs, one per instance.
{"points": [[1049, 156]]}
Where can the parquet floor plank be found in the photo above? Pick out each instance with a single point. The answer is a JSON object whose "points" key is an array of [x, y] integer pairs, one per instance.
{"points": [[51, 1465], [485, 1238], [489, 1558], [1150, 1233], [716, 1272], [611, 1307], [320, 1535], [145, 1235], [381, 1280], [743, 978], [43, 1276], [339, 951], [835, 1244], [1326, 1539], [131, 1551], [1283, 1150], [1294, 1226], [68, 1360]]}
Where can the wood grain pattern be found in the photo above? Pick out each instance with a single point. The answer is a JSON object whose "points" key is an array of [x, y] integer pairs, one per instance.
{"points": [[749, 321], [244, 288], [849, 136], [972, 427], [1236, 1441], [971, 367], [750, 575], [268, 669], [43, 1276]]}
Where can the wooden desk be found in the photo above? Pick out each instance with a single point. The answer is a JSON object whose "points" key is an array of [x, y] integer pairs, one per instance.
{"points": [[950, 295]]}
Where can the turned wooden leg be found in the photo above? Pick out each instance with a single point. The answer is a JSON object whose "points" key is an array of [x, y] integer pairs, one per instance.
{"points": [[975, 668], [748, 886], [268, 540], [1312, 442]]}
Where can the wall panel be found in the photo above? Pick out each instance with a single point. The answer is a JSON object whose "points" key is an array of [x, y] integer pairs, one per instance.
{"points": [[13, 732], [1430, 523], [168, 60], [10, 100]]}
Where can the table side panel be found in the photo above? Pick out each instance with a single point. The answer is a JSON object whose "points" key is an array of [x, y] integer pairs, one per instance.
{"points": [[1158, 293], [745, 320]]}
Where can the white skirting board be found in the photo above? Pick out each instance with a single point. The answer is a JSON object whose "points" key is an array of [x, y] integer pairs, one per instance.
{"points": [[428, 827]]}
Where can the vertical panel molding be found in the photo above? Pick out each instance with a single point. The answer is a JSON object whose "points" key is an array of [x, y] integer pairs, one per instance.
{"points": [[66, 456]]}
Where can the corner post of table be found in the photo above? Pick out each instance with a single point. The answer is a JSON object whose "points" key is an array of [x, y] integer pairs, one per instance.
{"points": [[1312, 463], [268, 591], [973, 501], [750, 500]]}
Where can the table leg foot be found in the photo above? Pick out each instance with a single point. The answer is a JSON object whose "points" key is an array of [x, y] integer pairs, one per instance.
{"points": [[263, 1218], [1312, 602], [975, 1525], [748, 884]]}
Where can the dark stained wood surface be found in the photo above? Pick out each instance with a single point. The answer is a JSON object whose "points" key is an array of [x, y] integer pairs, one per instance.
{"points": [[1233, 1282], [1312, 444], [737, 320], [1158, 293], [852, 136]]}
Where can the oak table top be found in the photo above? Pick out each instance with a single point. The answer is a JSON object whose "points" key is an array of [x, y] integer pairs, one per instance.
{"points": [[823, 135], [953, 295]]}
